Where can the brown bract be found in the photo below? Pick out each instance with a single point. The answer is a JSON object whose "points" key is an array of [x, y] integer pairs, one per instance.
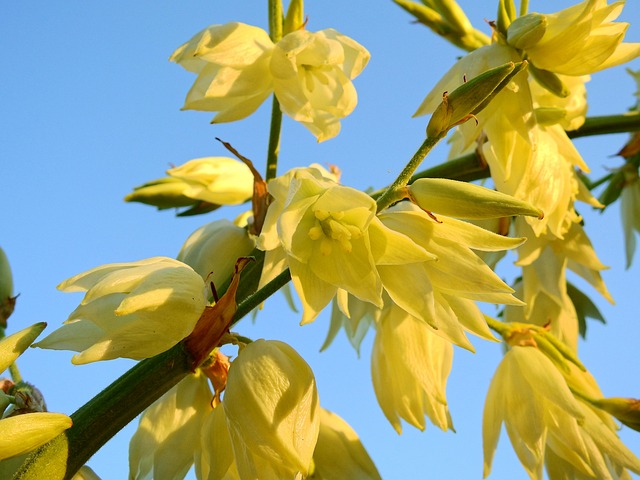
{"points": [[214, 321]]}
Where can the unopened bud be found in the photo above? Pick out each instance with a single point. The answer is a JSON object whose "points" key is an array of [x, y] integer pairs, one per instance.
{"points": [[7, 300], [526, 31], [466, 200], [162, 193], [12, 346], [26, 432], [627, 410], [294, 20], [470, 98]]}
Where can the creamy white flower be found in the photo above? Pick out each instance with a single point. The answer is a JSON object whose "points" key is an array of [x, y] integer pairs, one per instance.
{"points": [[272, 409], [133, 310], [168, 435], [583, 39], [238, 67], [409, 367]]}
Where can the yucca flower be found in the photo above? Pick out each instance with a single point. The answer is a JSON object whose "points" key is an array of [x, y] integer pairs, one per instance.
{"points": [[132, 310], [238, 67], [410, 365], [547, 424], [272, 409], [329, 237], [579, 40]]}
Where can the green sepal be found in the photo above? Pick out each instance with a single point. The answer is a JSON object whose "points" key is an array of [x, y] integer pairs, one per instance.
{"points": [[550, 81]]}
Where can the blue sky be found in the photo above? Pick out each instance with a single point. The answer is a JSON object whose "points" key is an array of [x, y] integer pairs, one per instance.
{"points": [[91, 108]]}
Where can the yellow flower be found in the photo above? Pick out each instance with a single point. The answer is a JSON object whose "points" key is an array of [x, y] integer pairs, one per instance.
{"points": [[216, 180], [213, 249], [409, 367], [529, 395], [133, 310], [238, 67], [582, 39], [330, 238], [339, 452], [232, 63], [272, 409], [168, 435]]}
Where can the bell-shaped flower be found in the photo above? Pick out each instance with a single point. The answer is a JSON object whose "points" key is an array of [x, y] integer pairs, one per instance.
{"points": [[409, 367], [216, 180], [312, 78], [581, 39], [216, 460], [213, 249], [133, 310], [530, 396], [232, 63], [330, 238], [168, 435], [339, 452], [238, 67], [272, 409]]}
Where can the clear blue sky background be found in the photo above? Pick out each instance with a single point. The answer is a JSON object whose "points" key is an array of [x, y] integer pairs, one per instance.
{"points": [[91, 108]]}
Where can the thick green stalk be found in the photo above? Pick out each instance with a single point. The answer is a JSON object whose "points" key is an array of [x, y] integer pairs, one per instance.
{"points": [[390, 195], [626, 122]]}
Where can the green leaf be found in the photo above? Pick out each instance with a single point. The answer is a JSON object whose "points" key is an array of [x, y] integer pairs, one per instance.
{"points": [[585, 308]]}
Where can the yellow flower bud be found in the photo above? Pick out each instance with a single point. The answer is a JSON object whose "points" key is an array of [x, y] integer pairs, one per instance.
{"points": [[470, 98], [213, 249], [162, 193], [627, 410], [11, 347], [271, 402], [525, 32], [23, 433], [466, 200]]}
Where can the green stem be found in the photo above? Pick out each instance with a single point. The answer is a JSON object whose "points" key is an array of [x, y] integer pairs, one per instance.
{"points": [[627, 122], [276, 16], [391, 194], [497, 326], [15, 373], [274, 139]]}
